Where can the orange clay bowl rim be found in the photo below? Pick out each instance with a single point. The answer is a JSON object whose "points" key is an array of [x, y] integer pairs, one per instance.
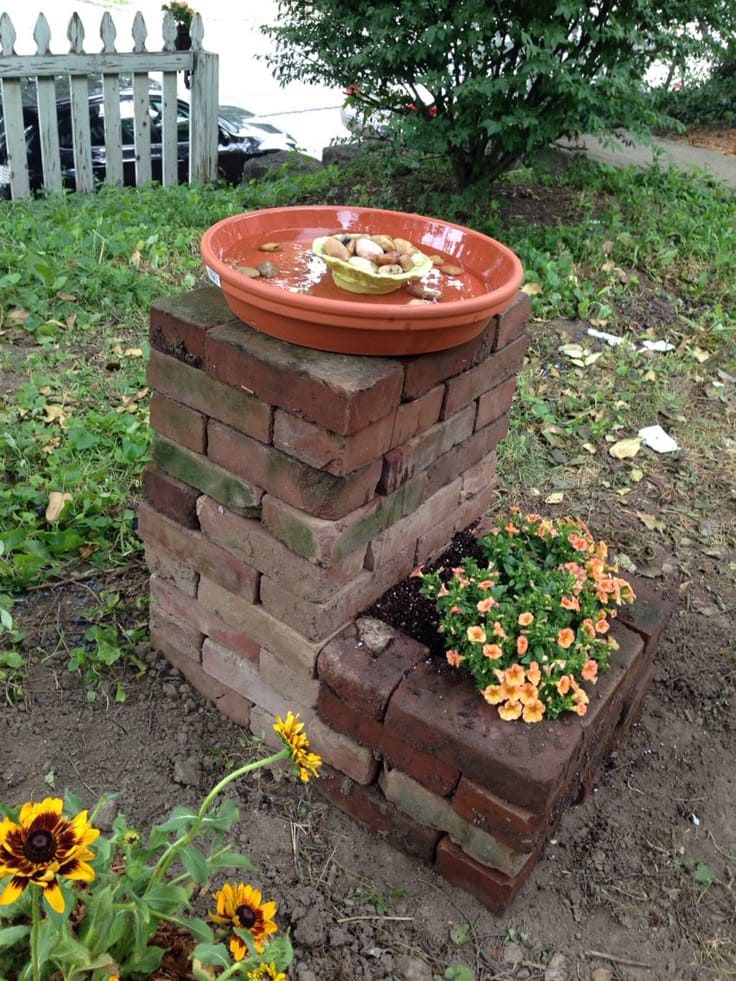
{"points": [[322, 220]]}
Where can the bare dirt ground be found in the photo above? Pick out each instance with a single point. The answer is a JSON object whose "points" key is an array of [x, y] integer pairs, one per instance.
{"points": [[721, 139]]}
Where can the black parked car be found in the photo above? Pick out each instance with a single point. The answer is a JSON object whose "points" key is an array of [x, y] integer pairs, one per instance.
{"points": [[241, 135]]}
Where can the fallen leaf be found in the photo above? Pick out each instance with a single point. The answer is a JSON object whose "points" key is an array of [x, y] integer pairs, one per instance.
{"points": [[531, 289], [133, 352], [70, 297], [117, 349], [135, 258], [625, 448], [700, 355], [71, 320], [592, 358], [556, 497], [50, 779], [57, 503], [598, 322], [18, 316], [571, 350], [650, 376], [635, 474], [55, 413], [589, 448], [623, 491], [650, 521]]}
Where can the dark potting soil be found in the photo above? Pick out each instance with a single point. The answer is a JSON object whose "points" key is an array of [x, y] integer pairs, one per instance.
{"points": [[404, 607]]}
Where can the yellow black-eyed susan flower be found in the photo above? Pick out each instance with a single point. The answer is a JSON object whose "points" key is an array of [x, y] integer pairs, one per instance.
{"points": [[240, 906], [43, 847], [292, 732], [266, 972]]}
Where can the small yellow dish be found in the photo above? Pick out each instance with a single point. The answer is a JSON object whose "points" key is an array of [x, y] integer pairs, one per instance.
{"points": [[356, 280]]}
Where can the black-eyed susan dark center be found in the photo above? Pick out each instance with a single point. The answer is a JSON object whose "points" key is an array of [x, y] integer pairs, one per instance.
{"points": [[247, 917], [40, 846]]}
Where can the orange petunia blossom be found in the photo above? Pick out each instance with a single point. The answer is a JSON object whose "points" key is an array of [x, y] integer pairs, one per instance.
{"points": [[511, 528], [533, 673], [579, 543], [533, 711], [587, 626], [493, 651], [510, 694], [580, 696], [563, 685], [456, 609], [510, 711], [602, 626], [522, 644], [581, 708], [476, 635], [443, 590], [486, 584], [454, 659], [499, 631], [525, 619], [493, 694], [590, 671], [566, 638], [528, 693], [484, 605], [570, 603], [514, 676]]}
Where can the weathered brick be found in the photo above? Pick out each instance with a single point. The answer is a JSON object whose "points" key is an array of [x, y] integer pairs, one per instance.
{"points": [[172, 497], [167, 566], [463, 456], [442, 714], [329, 542], [417, 415], [251, 542], [479, 477], [167, 634], [475, 507], [343, 393], [650, 612], [255, 622], [179, 423], [292, 481], [435, 541], [191, 614], [494, 889], [518, 827], [180, 323], [387, 743], [193, 549], [433, 811], [290, 680], [241, 675], [465, 388], [239, 409], [202, 473], [370, 807], [405, 532], [425, 370], [495, 403], [365, 662], [513, 320], [325, 450], [403, 462]]}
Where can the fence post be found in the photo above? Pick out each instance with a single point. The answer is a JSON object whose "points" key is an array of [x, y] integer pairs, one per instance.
{"points": [[203, 112]]}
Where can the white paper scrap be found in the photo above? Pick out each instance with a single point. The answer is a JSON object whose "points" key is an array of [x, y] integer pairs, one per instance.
{"points": [[657, 439], [603, 336], [656, 346]]}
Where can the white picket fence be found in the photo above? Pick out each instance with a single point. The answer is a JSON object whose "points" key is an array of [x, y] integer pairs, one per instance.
{"points": [[45, 67]]}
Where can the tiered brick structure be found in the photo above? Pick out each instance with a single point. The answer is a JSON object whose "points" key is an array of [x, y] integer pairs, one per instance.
{"points": [[290, 488]]}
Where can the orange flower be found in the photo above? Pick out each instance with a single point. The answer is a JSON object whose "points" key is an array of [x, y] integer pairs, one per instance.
{"points": [[588, 627], [510, 711], [493, 694], [454, 659], [579, 543], [486, 584], [522, 644], [417, 573], [570, 603], [533, 673], [566, 638], [493, 651], [581, 708], [603, 626], [476, 635], [456, 609], [528, 693], [499, 631], [459, 570], [484, 605], [525, 619], [514, 676], [510, 694], [580, 697], [533, 711], [443, 590], [511, 528], [590, 671], [563, 685]]}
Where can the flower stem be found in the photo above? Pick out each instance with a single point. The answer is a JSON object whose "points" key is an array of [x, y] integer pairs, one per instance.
{"points": [[35, 928], [171, 852]]}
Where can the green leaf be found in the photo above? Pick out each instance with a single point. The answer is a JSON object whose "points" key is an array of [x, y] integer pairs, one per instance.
{"points": [[179, 818], [224, 817], [199, 929], [460, 933], [458, 972], [195, 863], [212, 954], [229, 860], [9, 936], [166, 898], [704, 874]]}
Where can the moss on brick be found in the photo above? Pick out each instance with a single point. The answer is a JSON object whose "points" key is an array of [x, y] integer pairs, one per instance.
{"points": [[207, 477]]}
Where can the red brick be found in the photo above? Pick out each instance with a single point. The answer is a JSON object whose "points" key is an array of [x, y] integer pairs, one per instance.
{"points": [[315, 491], [432, 544], [365, 662], [465, 455], [370, 807], [193, 549], [516, 826], [512, 321], [201, 472], [431, 773], [416, 416], [468, 386], [650, 612], [167, 566], [343, 393], [251, 542], [167, 634], [426, 370], [479, 477], [443, 715], [405, 533], [328, 542], [325, 450], [494, 889], [172, 497], [180, 323], [495, 403], [192, 614], [239, 409], [241, 675], [404, 461], [179, 423], [290, 680], [475, 507]]}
